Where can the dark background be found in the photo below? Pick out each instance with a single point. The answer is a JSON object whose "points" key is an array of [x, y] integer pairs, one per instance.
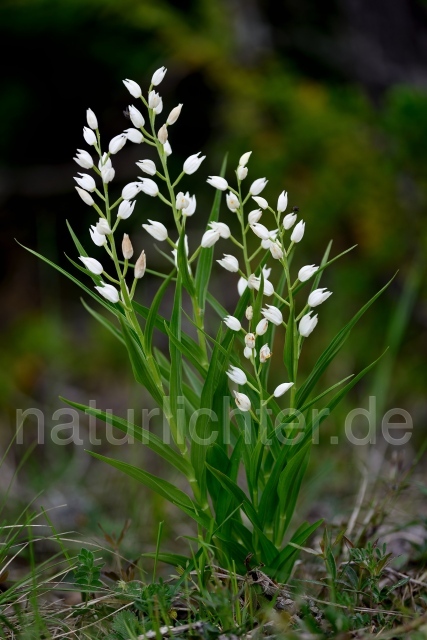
{"points": [[331, 97]]}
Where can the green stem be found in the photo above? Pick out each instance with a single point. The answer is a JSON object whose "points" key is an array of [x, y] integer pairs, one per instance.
{"points": [[197, 312], [285, 263]]}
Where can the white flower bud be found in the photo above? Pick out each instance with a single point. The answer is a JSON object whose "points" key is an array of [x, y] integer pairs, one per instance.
{"points": [[91, 119], [158, 76], [157, 230], [266, 272], [221, 228], [92, 265], [149, 187], [242, 172], [276, 251], [158, 110], [254, 216], [307, 324], [318, 296], [174, 252], [250, 340], [260, 231], [232, 201], [241, 286], [126, 209], [117, 143], [105, 161], [244, 159], [268, 288], [134, 135], [130, 190], [264, 353], [147, 166], [232, 323], [193, 163], [261, 202], [107, 174], [289, 220], [282, 388], [162, 134], [133, 88], [298, 232], [167, 149], [282, 202], [154, 99], [97, 238], [140, 266], [257, 186], [261, 327], [84, 159], [109, 292], [249, 313], [86, 182], [209, 238], [242, 401], [89, 136], [273, 314], [254, 282], [181, 201], [237, 375], [191, 207], [127, 248], [174, 115], [306, 272], [136, 117], [218, 183], [103, 227], [85, 196], [229, 262], [248, 353]]}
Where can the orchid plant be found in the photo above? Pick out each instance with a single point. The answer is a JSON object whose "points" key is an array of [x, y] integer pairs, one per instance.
{"points": [[243, 460]]}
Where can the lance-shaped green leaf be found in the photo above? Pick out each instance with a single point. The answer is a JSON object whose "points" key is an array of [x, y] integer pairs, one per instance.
{"points": [[313, 424], [239, 495], [191, 349], [194, 380], [289, 348], [153, 313], [331, 351], [217, 366], [269, 497], [286, 558], [174, 559], [162, 487], [175, 388], [288, 489], [223, 501], [145, 436], [324, 266], [204, 265], [140, 367], [104, 321], [77, 243], [185, 347], [182, 260], [114, 308], [268, 552]]}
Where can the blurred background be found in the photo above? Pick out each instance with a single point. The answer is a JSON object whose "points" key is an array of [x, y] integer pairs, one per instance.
{"points": [[331, 97]]}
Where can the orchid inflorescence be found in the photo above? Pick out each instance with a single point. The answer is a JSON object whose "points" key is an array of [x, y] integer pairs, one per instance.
{"points": [[210, 444], [183, 206]]}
